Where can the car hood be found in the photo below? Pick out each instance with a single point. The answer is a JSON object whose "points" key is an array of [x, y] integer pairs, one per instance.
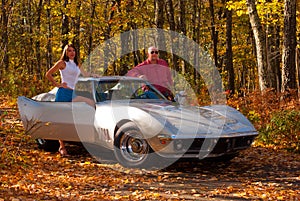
{"points": [[214, 120]]}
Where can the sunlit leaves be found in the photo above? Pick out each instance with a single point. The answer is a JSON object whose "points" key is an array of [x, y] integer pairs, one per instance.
{"points": [[238, 6], [110, 18], [270, 12], [276, 118], [283, 130], [27, 173]]}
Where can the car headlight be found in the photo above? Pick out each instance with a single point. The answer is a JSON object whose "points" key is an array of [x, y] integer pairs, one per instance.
{"points": [[164, 139]]}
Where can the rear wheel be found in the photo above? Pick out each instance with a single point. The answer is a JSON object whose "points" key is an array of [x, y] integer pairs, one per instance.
{"points": [[131, 149], [48, 145]]}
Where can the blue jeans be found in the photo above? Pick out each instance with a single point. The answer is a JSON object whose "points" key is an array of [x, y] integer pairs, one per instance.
{"points": [[64, 95]]}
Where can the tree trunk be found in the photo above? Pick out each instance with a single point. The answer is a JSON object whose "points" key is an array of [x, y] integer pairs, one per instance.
{"points": [[128, 41], [260, 43], [298, 71], [38, 43], [77, 20], [134, 44], [4, 16], [30, 44], [182, 30], [182, 19], [196, 19], [172, 24], [108, 14], [274, 55], [91, 27], [214, 33], [229, 54], [65, 27], [159, 21], [159, 13], [49, 36], [289, 46]]}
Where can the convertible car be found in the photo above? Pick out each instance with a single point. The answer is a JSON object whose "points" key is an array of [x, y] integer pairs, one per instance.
{"points": [[134, 120]]}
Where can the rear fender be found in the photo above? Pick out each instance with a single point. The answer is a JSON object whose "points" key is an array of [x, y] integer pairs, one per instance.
{"points": [[57, 120]]}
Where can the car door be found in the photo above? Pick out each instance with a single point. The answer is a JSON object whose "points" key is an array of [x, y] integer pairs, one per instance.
{"points": [[69, 121]]}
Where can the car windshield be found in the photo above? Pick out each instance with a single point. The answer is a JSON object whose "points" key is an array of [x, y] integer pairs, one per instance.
{"points": [[124, 89]]}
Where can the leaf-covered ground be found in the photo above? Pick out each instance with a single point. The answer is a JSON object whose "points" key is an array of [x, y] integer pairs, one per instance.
{"points": [[26, 173]]}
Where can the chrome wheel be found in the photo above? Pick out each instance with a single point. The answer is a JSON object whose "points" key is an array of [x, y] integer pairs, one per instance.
{"points": [[131, 149]]}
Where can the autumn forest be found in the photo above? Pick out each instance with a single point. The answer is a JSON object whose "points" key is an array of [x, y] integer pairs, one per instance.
{"points": [[33, 33], [253, 45]]}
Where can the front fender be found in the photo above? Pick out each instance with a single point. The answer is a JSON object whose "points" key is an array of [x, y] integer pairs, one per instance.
{"points": [[111, 118]]}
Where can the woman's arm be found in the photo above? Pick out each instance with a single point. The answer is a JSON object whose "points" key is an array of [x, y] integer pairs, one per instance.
{"points": [[87, 74], [59, 65]]}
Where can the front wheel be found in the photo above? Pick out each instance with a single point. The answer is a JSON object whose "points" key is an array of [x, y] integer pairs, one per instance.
{"points": [[131, 149]]}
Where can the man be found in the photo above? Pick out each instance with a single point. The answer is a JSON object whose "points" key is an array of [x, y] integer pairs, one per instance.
{"points": [[156, 71]]}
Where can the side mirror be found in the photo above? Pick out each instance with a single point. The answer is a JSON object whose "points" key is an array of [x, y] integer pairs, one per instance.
{"points": [[180, 97]]}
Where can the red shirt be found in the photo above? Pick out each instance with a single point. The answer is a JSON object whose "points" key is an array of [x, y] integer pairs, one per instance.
{"points": [[157, 74]]}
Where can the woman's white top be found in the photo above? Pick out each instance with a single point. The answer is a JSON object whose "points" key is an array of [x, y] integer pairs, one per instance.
{"points": [[70, 74]]}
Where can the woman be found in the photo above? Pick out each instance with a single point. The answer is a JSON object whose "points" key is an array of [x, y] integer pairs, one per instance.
{"points": [[70, 70]]}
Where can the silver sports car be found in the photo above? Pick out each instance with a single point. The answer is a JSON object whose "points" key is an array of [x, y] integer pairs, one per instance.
{"points": [[136, 122]]}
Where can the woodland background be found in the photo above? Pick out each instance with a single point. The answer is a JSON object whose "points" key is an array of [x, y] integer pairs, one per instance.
{"points": [[253, 45]]}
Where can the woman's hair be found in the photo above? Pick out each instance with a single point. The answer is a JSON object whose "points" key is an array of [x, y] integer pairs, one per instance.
{"points": [[64, 56]]}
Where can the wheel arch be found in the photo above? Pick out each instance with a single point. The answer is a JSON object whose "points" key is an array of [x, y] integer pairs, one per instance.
{"points": [[119, 124], [124, 121], [133, 153]]}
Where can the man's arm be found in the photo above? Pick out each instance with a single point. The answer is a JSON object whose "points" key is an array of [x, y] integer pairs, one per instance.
{"points": [[134, 72]]}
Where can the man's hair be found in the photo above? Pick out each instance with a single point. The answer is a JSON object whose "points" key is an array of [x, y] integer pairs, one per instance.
{"points": [[151, 48]]}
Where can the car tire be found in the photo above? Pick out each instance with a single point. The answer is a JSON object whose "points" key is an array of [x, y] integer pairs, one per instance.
{"points": [[130, 148], [48, 145]]}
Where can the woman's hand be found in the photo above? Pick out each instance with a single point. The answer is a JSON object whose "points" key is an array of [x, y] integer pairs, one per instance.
{"points": [[143, 77], [63, 85], [94, 75], [88, 74]]}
